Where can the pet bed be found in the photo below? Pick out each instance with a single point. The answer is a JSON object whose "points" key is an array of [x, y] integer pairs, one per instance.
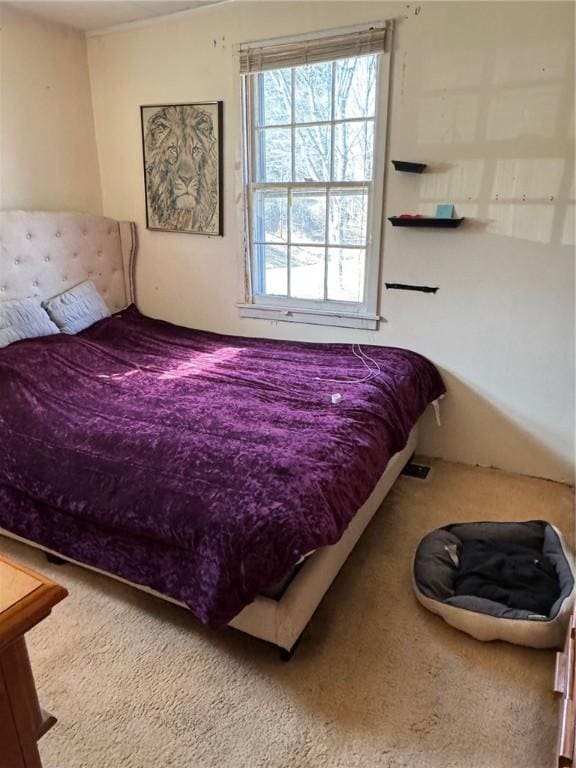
{"points": [[437, 576]]}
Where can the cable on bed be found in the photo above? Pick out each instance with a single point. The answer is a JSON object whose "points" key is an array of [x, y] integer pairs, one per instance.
{"points": [[363, 357]]}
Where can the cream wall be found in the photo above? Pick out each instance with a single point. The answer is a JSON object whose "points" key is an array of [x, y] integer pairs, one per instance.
{"points": [[483, 92], [47, 145]]}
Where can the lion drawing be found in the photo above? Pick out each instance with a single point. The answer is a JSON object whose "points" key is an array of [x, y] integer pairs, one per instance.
{"points": [[181, 151]]}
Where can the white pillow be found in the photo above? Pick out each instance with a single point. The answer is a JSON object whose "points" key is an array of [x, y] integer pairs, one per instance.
{"points": [[24, 319], [78, 308]]}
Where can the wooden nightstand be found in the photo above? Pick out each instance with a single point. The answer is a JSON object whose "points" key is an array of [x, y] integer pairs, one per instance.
{"points": [[25, 599], [564, 684]]}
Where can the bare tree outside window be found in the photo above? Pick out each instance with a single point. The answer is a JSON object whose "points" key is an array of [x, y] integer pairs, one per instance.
{"points": [[313, 173]]}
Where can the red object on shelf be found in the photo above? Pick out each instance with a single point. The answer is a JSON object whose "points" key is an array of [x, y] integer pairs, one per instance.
{"points": [[411, 216]]}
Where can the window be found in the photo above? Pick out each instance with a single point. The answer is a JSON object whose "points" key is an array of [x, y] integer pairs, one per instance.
{"points": [[314, 167]]}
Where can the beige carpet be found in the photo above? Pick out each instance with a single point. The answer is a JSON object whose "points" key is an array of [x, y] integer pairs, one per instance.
{"points": [[377, 681]]}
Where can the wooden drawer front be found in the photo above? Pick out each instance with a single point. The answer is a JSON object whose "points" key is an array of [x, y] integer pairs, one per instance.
{"points": [[564, 686]]}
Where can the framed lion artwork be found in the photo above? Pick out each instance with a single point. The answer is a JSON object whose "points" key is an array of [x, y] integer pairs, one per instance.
{"points": [[182, 145]]}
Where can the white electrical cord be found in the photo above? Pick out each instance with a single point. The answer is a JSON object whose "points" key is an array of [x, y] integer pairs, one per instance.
{"points": [[363, 357]]}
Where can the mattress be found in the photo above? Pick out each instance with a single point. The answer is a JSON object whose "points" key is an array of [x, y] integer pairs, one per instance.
{"points": [[202, 466]]}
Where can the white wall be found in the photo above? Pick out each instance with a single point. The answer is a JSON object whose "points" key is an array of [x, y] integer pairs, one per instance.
{"points": [[48, 154], [483, 92]]}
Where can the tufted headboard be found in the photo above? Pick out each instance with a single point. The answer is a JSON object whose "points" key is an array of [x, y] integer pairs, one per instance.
{"points": [[44, 253]]}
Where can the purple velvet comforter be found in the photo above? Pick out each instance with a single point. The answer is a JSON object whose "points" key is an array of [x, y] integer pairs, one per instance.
{"points": [[203, 466]]}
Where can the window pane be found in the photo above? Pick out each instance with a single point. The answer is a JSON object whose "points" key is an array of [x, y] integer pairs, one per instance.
{"points": [[348, 217], [346, 274], [312, 153], [355, 87], [275, 97], [353, 151], [311, 242], [274, 155], [307, 273], [271, 217], [308, 217], [312, 93], [271, 270]]}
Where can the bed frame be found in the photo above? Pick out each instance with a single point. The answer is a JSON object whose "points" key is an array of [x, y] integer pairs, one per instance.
{"points": [[43, 254]]}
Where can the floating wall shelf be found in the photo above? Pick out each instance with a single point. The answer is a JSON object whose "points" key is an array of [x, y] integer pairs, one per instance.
{"points": [[404, 165], [425, 221]]}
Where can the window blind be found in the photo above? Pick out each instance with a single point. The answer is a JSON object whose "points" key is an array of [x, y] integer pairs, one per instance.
{"points": [[277, 55]]}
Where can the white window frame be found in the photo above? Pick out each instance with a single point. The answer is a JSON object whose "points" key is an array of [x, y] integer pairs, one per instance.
{"points": [[331, 312]]}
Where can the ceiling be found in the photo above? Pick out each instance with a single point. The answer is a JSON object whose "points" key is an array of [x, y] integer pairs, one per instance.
{"points": [[99, 14]]}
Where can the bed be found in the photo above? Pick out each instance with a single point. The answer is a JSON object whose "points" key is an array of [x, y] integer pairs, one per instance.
{"points": [[214, 471]]}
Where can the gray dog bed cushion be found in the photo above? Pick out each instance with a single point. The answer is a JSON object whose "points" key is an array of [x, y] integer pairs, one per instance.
{"points": [[436, 567]]}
